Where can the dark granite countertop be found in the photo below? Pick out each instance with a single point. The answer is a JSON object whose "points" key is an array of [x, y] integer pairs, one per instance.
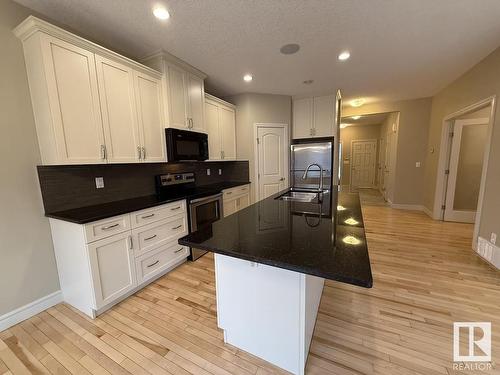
{"points": [[325, 239], [83, 215]]}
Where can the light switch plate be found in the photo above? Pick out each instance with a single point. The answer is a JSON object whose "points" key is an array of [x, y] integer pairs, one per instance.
{"points": [[418, 164], [220, 172], [493, 238], [208, 171], [99, 182]]}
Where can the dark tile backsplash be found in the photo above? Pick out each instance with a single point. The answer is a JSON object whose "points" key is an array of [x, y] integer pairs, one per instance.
{"points": [[71, 186]]}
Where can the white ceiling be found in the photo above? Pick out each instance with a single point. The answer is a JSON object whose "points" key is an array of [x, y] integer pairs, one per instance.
{"points": [[399, 48]]}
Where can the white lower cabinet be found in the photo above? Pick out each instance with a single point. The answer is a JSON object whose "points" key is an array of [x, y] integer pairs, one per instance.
{"points": [[235, 199], [112, 266], [102, 262]]}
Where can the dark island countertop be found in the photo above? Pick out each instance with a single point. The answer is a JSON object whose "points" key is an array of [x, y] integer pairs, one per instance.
{"points": [[323, 238], [83, 215]]}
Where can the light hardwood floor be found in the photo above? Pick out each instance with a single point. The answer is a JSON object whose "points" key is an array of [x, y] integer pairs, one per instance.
{"points": [[425, 278]]}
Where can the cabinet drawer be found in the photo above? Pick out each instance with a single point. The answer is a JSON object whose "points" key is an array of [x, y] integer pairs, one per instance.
{"points": [[150, 215], [155, 234], [159, 259], [236, 191], [104, 228]]}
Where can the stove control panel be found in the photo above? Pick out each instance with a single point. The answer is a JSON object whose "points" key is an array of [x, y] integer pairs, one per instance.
{"points": [[175, 178]]}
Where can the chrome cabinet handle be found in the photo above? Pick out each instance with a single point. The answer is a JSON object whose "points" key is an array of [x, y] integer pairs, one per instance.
{"points": [[130, 243], [282, 179], [153, 264], [178, 251], [103, 152], [150, 238], [175, 208], [139, 152], [110, 226], [148, 216], [144, 153], [177, 227]]}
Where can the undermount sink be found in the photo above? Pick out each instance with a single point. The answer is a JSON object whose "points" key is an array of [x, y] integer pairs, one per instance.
{"points": [[299, 196]]}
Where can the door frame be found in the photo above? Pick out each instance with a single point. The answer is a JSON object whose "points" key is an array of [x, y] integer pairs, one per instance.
{"points": [[460, 215], [256, 127], [443, 162], [351, 161]]}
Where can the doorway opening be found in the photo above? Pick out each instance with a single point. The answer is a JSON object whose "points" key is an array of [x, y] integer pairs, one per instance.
{"points": [[369, 153], [463, 162]]}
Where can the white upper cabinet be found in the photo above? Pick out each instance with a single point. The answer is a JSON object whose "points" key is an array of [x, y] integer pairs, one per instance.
{"points": [[186, 91], [302, 118], [177, 97], [314, 117], [221, 128], [118, 108], [196, 100], [91, 105], [73, 99], [149, 104]]}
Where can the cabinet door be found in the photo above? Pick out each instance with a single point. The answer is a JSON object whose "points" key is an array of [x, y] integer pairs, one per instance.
{"points": [[230, 206], [212, 128], [119, 114], [302, 118], [227, 126], [74, 102], [196, 100], [112, 267], [323, 115], [243, 201], [149, 107], [177, 97]]}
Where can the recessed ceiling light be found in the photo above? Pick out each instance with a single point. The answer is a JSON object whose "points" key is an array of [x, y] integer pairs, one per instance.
{"points": [[308, 81], [344, 55], [356, 117], [161, 12], [289, 49], [247, 78], [357, 102]]}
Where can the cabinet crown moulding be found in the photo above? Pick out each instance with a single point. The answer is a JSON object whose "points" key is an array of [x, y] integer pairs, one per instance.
{"points": [[219, 100], [169, 58], [32, 25]]}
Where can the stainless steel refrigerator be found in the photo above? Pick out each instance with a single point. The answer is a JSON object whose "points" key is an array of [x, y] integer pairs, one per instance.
{"points": [[312, 151]]}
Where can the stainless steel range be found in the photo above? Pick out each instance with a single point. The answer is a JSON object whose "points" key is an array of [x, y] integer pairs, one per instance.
{"points": [[205, 204]]}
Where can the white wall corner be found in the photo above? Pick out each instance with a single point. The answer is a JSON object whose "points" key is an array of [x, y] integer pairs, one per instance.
{"points": [[27, 311]]}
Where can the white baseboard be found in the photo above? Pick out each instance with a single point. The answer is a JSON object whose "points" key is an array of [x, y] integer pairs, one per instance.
{"points": [[428, 212], [29, 310], [412, 207]]}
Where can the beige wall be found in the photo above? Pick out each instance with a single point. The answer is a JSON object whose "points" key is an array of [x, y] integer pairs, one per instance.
{"points": [[257, 108], [352, 133], [27, 266], [479, 83], [411, 144]]}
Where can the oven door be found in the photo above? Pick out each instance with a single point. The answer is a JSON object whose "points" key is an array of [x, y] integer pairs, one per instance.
{"points": [[183, 145], [203, 212]]}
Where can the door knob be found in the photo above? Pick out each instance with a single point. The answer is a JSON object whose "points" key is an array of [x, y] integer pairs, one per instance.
{"points": [[282, 179]]}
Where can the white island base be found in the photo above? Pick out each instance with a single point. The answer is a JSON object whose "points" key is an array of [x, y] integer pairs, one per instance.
{"points": [[267, 311]]}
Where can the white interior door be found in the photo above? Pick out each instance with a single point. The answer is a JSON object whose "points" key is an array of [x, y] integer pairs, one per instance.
{"points": [[465, 169], [272, 160], [364, 155]]}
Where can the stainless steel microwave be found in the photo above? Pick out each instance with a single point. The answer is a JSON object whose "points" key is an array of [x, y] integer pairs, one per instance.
{"points": [[184, 145]]}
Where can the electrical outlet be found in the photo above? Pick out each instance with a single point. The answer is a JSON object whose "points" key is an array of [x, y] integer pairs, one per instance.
{"points": [[220, 172], [493, 238], [208, 171], [99, 182], [417, 164]]}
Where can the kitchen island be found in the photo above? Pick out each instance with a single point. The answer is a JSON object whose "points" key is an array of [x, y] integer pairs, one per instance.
{"points": [[271, 260]]}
